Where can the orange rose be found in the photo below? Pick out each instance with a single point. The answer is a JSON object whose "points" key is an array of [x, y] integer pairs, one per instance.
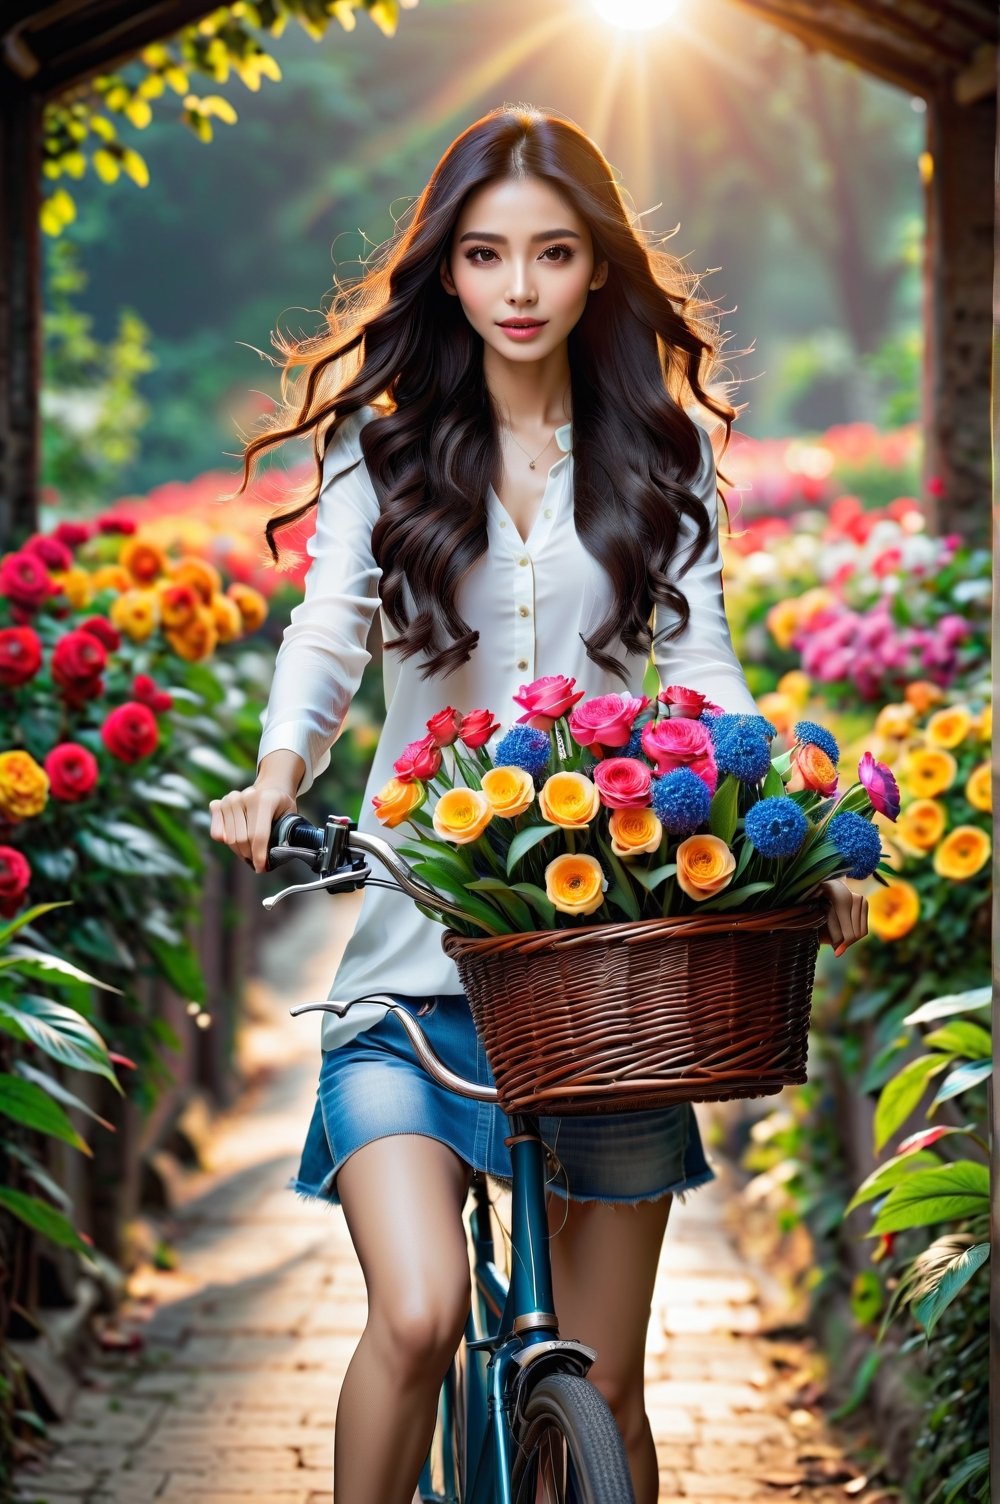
{"points": [[811, 768], [979, 788], [962, 853], [178, 603], [893, 910], [705, 865], [253, 606], [461, 815], [895, 720], [24, 786], [143, 560], [575, 883], [204, 576], [634, 832], [920, 826], [568, 799], [948, 727], [227, 617], [111, 577], [136, 613], [397, 800], [922, 694], [929, 771], [197, 640], [510, 791]]}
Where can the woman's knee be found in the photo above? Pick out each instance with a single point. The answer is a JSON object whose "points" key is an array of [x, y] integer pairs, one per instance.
{"points": [[419, 1325], [626, 1397]]}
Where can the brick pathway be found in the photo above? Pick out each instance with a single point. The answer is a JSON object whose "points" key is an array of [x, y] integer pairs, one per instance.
{"points": [[233, 1393]]}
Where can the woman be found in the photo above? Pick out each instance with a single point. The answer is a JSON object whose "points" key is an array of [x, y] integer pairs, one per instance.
{"points": [[501, 416]]}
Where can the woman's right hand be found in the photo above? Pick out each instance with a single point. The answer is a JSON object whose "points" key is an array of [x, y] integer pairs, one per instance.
{"points": [[243, 818]]}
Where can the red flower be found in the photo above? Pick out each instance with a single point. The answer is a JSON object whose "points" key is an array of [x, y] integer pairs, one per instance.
{"points": [[685, 704], [104, 630], [146, 692], [72, 771], [15, 875], [71, 533], [25, 579], [115, 525], [420, 759], [130, 732], [78, 661], [20, 655], [445, 726], [477, 728], [51, 551]]}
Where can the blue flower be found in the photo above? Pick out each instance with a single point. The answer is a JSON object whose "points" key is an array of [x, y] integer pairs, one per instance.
{"points": [[776, 826], [723, 725], [745, 753], [682, 801], [524, 747], [858, 842], [633, 747], [811, 731]]}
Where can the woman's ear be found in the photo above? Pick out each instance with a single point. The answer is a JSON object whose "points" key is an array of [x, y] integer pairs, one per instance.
{"points": [[600, 277], [446, 280]]}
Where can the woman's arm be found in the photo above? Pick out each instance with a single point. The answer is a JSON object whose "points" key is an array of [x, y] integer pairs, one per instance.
{"points": [[703, 656], [323, 651]]}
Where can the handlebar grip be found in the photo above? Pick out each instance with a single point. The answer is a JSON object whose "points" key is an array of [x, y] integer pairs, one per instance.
{"points": [[293, 830]]}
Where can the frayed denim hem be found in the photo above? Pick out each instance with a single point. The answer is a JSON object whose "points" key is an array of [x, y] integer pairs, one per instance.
{"points": [[679, 1190]]}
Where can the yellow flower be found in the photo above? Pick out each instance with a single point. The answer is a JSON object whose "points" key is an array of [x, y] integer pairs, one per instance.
{"points": [[227, 617], [568, 799], [197, 639], [76, 585], [397, 799], [783, 622], [894, 909], [575, 883], [136, 613], [461, 815], [979, 788], [922, 694], [962, 853], [509, 790], [921, 825], [634, 831], [143, 560], [24, 786], [782, 710], [204, 576], [111, 577], [811, 602], [895, 720], [929, 771], [948, 727], [705, 865], [253, 606], [984, 723], [796, 685]]}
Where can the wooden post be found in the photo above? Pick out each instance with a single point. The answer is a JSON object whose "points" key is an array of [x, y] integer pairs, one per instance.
{"points": [[20, 304]]}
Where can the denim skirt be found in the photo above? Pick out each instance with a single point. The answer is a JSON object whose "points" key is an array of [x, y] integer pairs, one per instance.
{"points": [[373, 1086]]}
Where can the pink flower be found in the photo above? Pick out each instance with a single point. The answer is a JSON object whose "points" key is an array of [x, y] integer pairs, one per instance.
{"points": [[682, 703], [681, 743], [52, 551], [623, 782], [883, 790], [420, 759], [606, 720], [545, 700]]}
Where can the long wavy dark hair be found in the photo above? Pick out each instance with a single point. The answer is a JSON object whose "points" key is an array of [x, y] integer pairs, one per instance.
{"points": [[397, 341]]}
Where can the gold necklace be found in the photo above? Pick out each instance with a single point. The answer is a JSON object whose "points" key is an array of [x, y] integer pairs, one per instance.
{"points": [[531, 462]]}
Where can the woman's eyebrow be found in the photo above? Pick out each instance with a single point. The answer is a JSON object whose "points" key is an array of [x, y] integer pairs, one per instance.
{"points": [[502, 239]]}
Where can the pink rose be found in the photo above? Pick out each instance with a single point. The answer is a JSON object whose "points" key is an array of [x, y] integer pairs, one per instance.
{"points": [[623, 782], [545, 700], [418, 760], [681, 743], [681, 703], [606, 720], [477, 728], [445, 726]]}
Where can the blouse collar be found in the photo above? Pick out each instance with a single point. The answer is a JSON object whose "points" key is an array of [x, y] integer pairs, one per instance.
{"points": [[564, 437]]}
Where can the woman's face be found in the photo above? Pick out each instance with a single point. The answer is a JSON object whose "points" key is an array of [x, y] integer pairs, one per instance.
{"points": [[520, 251]]}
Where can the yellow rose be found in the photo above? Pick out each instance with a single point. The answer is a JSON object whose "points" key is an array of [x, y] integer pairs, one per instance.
{"points": [[575, 883], [24, 786], [111, 577], [796, 685], [397, 800], [143, 560], [253, 606], [984, 723], [461, 815], [928, 771], [921, 825], [76, 585], [979, 788], [705, 865], [568, 799], [782, 710], [948, 727], [178, 603], [922, 694], [509, 790], [783, 622], [893, 910], [895, 720], [962, 853], [136, 613], [197, 639], [227, 617], [634, 831], [204, 576]]}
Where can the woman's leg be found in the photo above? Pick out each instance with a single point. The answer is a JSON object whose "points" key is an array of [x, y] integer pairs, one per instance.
{"points": [[604, 1260], [403, 1199]]}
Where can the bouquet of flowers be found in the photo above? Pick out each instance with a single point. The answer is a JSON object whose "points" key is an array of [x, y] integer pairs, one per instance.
{"points": [[621, 808]]}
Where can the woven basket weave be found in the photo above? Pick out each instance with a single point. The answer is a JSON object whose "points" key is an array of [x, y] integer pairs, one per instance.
{"points": [[631, 1016]]}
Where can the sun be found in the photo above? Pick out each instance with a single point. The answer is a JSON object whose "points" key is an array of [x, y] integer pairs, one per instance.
{"points": [[635, 15]]}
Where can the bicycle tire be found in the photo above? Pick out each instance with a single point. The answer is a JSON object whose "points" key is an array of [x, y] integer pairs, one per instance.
{"points": [[569, 1416]]}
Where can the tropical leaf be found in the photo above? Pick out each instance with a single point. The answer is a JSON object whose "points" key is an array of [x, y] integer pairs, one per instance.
{"points": [[652, 880], [963, 1078], [30, 1105], [889, 1174], [59, 1031], [730, 897], [951, 1002], [724, 810], [962, 1037], [942, 1194], [956, 1275], [40, 965], [60, 1092], [28, 917], [44, 1219], [900, 1096]]}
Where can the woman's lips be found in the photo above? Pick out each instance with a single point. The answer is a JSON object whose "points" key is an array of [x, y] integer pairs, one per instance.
{"points": [[523, 331]]}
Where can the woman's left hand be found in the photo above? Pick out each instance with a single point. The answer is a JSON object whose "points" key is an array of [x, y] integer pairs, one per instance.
{"points": [[846, 918]]}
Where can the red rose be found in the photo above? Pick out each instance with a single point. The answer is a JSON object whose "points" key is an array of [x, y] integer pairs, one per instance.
{"points": [[545, 700], [681, 703], [20, 655], [104, 630], [445, 726], [71, 533], [51, 552], [25, 579], [606, 720], [477, 728], [78, 661], [72, 771], [115, 525], [420, 759], [15, 875], [623, 782], [145, 690], [130, 732]]}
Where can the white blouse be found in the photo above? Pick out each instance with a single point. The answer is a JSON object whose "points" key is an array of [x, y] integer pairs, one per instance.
{"points": [[529, 599]]}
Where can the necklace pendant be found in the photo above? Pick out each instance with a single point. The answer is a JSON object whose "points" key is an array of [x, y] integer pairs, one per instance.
{"points": [[531, 464]]}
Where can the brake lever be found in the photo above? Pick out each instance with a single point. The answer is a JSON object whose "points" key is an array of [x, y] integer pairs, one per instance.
{"points": [[349, 880]]}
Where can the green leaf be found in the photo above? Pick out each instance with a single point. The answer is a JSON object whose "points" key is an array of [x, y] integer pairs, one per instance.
{"points": [[621, 892], [41, 1177], [39, 964], [159, 793], [96, 938], [517, 911], [962, 1037], [962, 1079], [944, 1194], [885, 1176], [29, 1104], [44, 1219], [975, 1466], [773, 785], [955, 1277], [724, 810], [212, 761], [61, 1093], [178, 962], [484, 914], [867, 1369], [59, 1031], [537, 899], [58, 866], [525, 840], [900, 1096], [951, 1002], [729, 898], [28, 917], [652, 880], [142, 860]]}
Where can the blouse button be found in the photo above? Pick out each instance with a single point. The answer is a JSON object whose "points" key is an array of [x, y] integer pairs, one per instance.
{"points": [[548, 511], [503, 524], [522, 611], [522, 663], [523, 560]]}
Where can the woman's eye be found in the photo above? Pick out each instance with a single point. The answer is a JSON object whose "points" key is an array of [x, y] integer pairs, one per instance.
{"points": [[565, 253]]}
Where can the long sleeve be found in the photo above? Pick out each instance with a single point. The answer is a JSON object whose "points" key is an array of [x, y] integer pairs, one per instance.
{"points": [[323, 651], [703, 656]]}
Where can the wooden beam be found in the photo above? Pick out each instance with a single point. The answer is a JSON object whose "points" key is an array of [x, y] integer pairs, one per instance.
{"points": [[885, 64], [20, 317]]}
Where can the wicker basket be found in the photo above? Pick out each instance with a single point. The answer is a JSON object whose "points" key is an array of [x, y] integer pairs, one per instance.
{"points": [[626, 1017]]}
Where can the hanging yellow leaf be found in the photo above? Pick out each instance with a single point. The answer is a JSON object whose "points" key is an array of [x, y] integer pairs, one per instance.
{"points": [[268, 65], [176, 78], [52, 168], [214, 104], [136, 167], [117, 97], [343, 11], [105, 165], [152, 86], [139, 112], [50, 219], [155, 55], [385, 14], [75, 163], [101, 126]]}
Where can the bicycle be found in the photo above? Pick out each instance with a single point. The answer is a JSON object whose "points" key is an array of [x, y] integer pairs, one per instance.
{"points": [[518, 1420]]}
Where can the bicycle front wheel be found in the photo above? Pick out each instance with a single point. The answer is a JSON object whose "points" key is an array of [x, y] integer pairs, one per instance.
{"points": [[568, 1449]]}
